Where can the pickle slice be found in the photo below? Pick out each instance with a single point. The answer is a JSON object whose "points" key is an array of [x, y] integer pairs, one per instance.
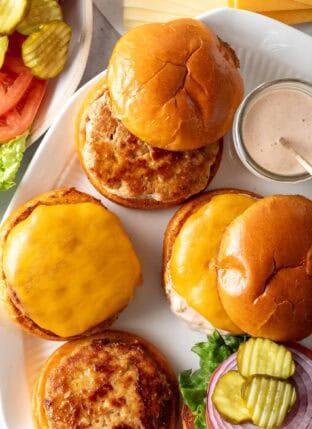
{"points": [[227, 398], [264, 357], [268, 400], [4, 43], [40, 12], [45, 51], [11, 14]]}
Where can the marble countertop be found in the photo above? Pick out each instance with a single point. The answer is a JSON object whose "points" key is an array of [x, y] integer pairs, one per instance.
{"points": [[103, 41]]}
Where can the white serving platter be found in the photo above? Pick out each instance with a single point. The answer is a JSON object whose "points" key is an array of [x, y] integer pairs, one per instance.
{"points": [[79, 15], [267, 50]]}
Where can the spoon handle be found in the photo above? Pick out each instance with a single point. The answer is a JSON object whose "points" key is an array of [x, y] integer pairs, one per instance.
{"points": [[302, 161]]}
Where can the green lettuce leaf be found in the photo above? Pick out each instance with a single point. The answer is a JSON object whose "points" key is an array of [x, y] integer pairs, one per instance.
{"points": [[11, 155], [193, 385]]}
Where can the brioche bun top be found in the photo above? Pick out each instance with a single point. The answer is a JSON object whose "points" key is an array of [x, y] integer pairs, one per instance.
{"points": [[175, 86], [265, 268]]}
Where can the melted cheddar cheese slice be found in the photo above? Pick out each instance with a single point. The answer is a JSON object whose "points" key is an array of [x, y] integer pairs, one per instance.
{"points": [[266, 6], [192, 264], [71, 266]]}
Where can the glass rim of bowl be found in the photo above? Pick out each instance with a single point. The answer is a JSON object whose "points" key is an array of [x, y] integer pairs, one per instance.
{"points": [[240, 147]]}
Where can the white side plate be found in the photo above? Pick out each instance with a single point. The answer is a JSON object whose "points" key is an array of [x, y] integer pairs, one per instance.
{"points": [[78, 14], [268, 50]]}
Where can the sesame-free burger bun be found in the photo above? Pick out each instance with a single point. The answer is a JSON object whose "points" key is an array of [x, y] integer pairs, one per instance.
{"points": [[129, 171], [175, 86], [265, 268]]}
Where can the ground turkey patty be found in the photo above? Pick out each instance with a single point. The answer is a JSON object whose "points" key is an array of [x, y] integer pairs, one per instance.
{"points": [[110, 385], [129, 168]]}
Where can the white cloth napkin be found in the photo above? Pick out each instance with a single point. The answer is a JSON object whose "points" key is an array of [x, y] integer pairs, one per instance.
{"points": [[113, 11]]}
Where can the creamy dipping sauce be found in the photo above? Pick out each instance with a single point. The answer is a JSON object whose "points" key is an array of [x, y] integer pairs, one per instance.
{"points": [[188, 314], [273, 114]]}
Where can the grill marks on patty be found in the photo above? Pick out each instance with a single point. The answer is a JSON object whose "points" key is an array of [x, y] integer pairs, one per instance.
{"points": [[122, 164], [108, 385]]}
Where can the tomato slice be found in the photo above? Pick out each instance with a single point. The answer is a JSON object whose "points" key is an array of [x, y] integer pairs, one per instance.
{"points": [[21, 117], [15, 43], [15, 84], [14, 64]]}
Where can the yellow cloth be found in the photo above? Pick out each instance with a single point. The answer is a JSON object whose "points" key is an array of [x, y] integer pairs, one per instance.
{"points": [[270, 5], [137, 12], [291, 16]]}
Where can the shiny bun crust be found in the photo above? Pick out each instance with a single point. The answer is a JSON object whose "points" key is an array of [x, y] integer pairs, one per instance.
{"points": [[265, 268], [94, 364], [175, 86], [180, 217], [14, 308]]}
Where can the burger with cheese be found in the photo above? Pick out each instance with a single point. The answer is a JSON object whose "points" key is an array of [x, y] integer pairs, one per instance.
{"points": [[61, 255], [239, 263]]}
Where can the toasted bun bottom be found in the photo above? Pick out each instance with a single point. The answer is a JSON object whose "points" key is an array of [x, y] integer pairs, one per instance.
{"points": [[11, 303], [59, 390]]}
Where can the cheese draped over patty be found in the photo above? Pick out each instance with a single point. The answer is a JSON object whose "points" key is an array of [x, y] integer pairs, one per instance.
{"points": [[70, 266], [192, 268]]}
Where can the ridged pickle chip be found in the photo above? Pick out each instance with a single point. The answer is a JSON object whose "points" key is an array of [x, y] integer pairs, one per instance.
{"points": [[40, 12], [11, 14], [4, 44], [268, 400], [45, 51], [264, 357], [227, 398]]}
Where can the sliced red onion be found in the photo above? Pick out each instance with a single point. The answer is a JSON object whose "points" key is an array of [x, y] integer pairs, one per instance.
{"points": [[300, 417]]}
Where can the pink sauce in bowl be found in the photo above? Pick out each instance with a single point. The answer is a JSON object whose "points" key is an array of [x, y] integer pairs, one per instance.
{"points": [[273, 110]]}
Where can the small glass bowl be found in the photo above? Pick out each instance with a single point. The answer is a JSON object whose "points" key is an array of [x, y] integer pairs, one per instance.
{"points": [[240, 147]]}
